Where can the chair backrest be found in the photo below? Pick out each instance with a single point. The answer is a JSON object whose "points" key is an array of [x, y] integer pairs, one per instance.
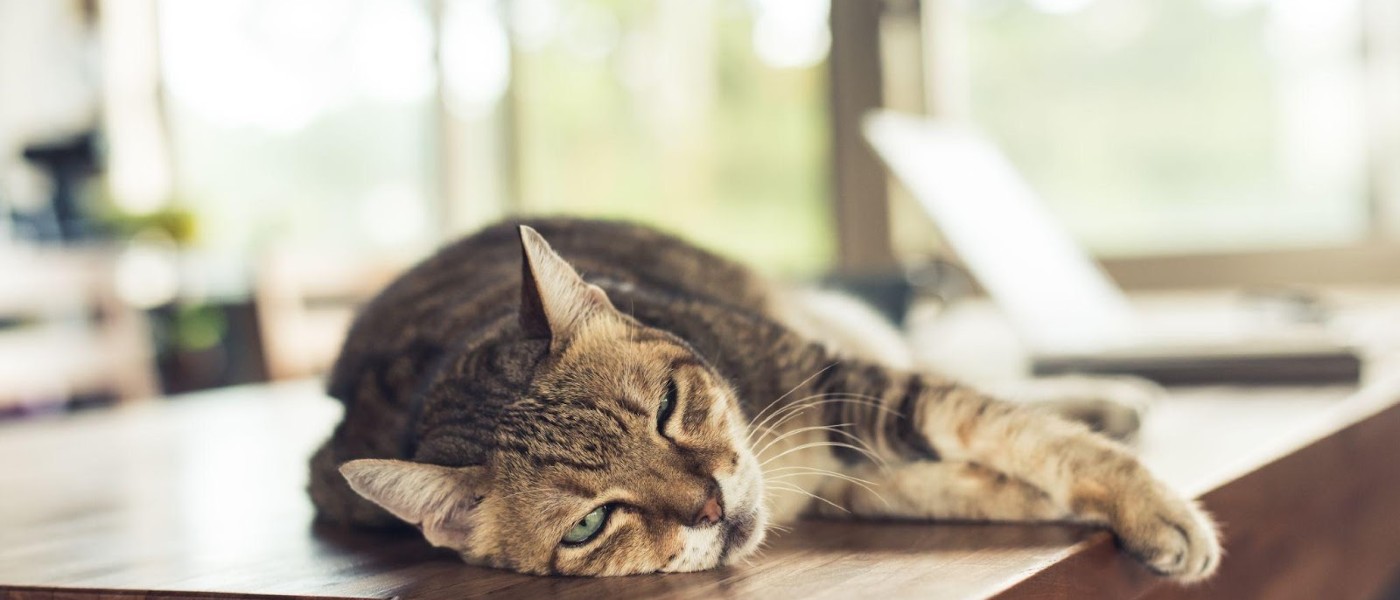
{"points": [[66, 332]]}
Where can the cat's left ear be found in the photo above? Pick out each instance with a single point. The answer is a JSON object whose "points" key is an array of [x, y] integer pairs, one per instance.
{"points": [[441, 501], [554, 300]]}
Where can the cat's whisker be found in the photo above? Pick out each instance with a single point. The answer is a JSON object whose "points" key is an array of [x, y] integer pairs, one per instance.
{"points": [[765, 420], [757, 554], [811, 474], [795, 404], [793, 410], [802, 405], [848, 394], [759, 453], [857, 439], [823, 473], [766, 432], [794, 388], [871, 455], [811, 495], [805, 470], [835, 398], [786, 413], [784, 486], [833, 429], [875, 400], [876, 458], [866, 447]]}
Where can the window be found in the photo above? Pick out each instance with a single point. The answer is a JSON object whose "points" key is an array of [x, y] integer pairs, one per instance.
{"points": [[321, 122], [302, 120], [683, 114], [1169, 126]]}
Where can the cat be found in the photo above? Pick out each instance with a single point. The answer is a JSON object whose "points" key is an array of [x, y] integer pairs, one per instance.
{"points": [[574, 397]]}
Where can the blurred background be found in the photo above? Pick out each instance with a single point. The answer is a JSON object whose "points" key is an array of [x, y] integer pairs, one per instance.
{"points": [[198, 194]]}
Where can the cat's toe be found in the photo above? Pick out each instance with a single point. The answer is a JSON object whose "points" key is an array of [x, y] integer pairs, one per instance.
{"points": [[1178, 540]]}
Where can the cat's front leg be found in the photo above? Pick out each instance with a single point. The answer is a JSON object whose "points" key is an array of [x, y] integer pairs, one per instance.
{"points": [[937, 490], [912, 417], [1097, 479], [1112, 405]]}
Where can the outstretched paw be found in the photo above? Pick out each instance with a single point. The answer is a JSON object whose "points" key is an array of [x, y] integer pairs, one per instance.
{"points": [[1172, 536]]}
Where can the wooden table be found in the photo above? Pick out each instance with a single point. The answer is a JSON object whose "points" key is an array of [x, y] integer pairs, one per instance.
{"points": [[202, 496]]}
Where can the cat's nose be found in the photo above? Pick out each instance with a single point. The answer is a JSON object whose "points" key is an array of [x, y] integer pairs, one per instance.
{"points": [[710, 512]]}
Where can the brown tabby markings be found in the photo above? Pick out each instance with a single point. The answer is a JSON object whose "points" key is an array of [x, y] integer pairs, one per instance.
{"points": [[494, 403]]}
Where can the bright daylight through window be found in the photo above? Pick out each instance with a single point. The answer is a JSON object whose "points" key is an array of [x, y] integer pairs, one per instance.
{"points": [[1163, 126]]}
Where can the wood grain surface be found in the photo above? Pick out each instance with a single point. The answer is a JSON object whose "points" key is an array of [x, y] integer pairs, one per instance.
{"points": [[202, 496]]}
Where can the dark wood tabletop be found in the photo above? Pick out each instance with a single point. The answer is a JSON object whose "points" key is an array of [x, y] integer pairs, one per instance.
{"points": [[202, 496]]}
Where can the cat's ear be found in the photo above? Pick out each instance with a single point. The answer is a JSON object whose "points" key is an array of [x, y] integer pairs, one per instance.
{"points": [[554, 299], [441, 501]]}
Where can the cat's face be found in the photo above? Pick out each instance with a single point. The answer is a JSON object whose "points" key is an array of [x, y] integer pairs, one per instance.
{"points": [[626, 454], [655, 473]]}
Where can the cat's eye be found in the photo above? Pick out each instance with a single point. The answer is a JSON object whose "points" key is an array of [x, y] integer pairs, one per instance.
{"points": [[668, 404], [588, 527]]}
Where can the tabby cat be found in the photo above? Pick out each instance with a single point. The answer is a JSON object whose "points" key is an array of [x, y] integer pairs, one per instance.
{"points": [[615, 401]]}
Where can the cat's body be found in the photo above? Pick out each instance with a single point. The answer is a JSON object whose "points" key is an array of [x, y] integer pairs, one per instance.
{"points": [[549, 402]]}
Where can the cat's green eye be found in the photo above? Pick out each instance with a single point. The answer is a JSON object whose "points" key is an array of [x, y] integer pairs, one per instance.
{"points": [[588, 527], [668, 404]]}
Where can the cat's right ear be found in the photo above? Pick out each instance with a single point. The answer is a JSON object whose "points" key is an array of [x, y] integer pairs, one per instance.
{"points": [[440, 501], [554, 300]]}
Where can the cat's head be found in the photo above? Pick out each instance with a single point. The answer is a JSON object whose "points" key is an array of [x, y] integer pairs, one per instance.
{"points": [[626, 453]]}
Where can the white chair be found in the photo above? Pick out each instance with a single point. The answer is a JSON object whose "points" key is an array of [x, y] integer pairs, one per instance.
{"points": [[67, 332]]}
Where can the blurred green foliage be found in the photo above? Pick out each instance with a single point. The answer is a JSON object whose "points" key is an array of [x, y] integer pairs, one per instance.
{"points": [[745, 177]]}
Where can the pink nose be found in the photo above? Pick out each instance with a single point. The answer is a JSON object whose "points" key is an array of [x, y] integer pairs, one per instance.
{"points": [[710, 513]]}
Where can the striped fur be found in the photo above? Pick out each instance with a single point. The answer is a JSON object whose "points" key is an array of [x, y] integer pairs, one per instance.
{"points": [[493, 401]]}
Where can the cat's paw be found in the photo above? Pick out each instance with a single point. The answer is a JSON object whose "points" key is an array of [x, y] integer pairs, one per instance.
{"points": [[1112, 405], [1171, 535], [1114, 419]]}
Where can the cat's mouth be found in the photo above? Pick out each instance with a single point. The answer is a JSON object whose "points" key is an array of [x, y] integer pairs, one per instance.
{"points": [[742, 534]]}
